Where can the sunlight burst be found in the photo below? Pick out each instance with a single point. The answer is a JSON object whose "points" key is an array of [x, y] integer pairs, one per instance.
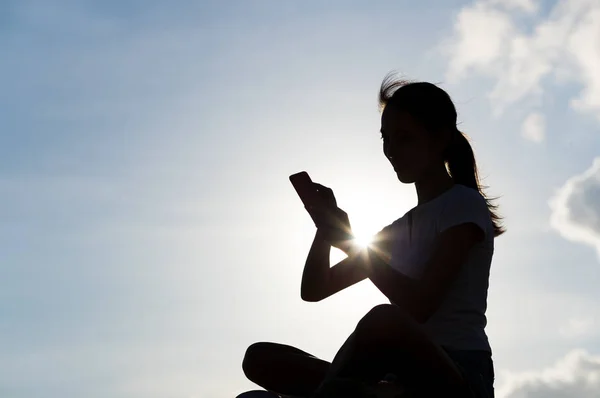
{"points": [[363, 239]]}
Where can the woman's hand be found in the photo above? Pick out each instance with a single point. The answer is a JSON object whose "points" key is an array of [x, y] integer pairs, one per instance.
{"points": [[332, 222], [326, 194], [333, 226]]}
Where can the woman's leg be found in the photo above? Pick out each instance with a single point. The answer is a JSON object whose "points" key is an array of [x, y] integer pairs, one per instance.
{"points": [[387, 340], [283, 369]]}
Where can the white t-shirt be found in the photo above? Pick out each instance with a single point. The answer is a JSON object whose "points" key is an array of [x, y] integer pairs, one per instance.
{"points": [[460, 321]]}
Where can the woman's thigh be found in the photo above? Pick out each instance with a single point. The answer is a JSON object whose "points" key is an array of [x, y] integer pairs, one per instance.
{"points": [[284, 369], [391, 341]]}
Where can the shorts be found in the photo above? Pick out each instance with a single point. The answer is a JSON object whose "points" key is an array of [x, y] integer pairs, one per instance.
{"points": [[477, 368]]}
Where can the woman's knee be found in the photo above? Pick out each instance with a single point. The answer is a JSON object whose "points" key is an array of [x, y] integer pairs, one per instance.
{"points": [[384, 318], [262, 356], [254, 358], [381, 314]]}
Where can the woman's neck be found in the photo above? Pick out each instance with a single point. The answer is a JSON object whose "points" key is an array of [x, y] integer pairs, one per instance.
{"points": [[433, 185]]}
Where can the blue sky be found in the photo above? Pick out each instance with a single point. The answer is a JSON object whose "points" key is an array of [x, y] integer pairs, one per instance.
{"points": [[150, 233]]}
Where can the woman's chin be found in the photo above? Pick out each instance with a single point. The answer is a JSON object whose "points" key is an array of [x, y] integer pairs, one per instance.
{"points": [[404, 178]]}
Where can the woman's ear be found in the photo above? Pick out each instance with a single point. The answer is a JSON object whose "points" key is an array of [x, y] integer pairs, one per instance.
{"points": [[444, 141]]}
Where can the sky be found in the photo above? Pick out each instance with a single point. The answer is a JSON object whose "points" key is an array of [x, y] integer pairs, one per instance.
{"points": [[148, 230]]}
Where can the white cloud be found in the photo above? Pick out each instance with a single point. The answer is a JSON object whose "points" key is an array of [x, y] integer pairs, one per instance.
{"points": [[564, 46], [575, 375], [576, 207], [534, 127], [480, 42], [584, 46]]}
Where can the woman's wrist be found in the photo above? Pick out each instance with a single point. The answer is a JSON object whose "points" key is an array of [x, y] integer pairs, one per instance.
{"points": [[367, 256], [321, 234]]}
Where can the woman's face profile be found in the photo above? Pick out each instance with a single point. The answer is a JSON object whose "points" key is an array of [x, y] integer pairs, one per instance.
{"points": [[406, 144]]}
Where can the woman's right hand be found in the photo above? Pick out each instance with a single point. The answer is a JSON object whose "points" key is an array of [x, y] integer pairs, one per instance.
{"points": [[332, 222], [326, 194], [326, 213]]}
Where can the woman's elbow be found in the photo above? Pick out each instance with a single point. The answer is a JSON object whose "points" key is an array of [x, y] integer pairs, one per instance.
{"points": [[310, 297], [421, 313], [311, 291]]}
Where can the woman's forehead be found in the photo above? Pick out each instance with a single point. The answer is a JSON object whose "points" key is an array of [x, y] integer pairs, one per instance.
{"points": [[393, 118]]}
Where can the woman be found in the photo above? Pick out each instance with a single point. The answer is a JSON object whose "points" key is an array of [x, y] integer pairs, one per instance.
{"points": [[432, 264]]}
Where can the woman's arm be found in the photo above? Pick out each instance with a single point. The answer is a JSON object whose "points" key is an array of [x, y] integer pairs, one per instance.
{"points": [[421, 298], [316, 269], [320, 281]]}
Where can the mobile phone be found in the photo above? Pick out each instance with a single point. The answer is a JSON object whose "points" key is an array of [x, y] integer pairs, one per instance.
{"points": [[305, 189]]}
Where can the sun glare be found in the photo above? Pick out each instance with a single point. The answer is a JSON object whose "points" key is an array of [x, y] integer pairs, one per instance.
{"points": [[363, 239]]}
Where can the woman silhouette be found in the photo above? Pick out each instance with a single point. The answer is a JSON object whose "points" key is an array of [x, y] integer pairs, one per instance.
{"points": [[432, 264]]}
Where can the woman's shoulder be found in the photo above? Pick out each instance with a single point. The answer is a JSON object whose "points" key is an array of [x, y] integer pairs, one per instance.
{"points": [[460, 189], [467, 196], [466, 204]]}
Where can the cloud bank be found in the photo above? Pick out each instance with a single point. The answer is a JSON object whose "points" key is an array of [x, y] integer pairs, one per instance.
{"points": [[577, 374], [523, 51], [576, 207]]}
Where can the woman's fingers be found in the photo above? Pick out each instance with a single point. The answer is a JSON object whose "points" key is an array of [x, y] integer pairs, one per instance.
{"points": [[321, 216], [321, 186], [326, 193], [335, 218]]}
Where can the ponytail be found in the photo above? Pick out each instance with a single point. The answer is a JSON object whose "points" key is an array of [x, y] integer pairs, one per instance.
{"points": [[460, 161], [462, 167]]}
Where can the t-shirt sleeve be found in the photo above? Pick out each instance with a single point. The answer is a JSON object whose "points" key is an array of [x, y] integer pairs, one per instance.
{"points": [[468, 206]]}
